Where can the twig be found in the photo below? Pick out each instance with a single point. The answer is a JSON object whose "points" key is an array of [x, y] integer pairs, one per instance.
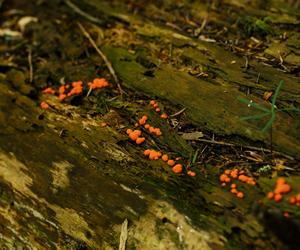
{"points": [[248, 147], [103, 56], [178, 113], [246, 62], [199, 30], [82, 13], [30, 65], [123, 235]]}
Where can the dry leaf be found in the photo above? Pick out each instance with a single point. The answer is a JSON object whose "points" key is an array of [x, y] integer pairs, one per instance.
{"points": [[192, 136], [267, 95]]}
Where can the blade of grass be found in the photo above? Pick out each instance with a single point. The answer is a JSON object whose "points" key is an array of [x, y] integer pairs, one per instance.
{"points": [[254, 117]]}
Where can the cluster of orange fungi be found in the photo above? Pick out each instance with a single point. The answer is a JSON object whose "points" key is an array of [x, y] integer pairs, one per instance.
{"points": [[75, 88], [281, 188], [135, 135], [239, 175], [156, 107]]}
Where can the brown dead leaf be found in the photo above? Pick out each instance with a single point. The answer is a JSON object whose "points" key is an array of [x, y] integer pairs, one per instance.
{"points": [[267, 95], [192, 136]]}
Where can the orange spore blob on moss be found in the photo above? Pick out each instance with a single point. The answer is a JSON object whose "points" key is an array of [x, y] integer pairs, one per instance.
{"points": [[129, 131], [77, 88], [164, 116], [277, 197], [223, 177], [286, 214], [233, 185], [270, 195], [280, 181], [177, 168], [157, 110], [103, 124], [282, 189], [223, 184], [98, 83], [171, 163], [143, 120], [135, 134], [165, 157], [49, 91], [191, 173], [152, 102], [227, 171], [227, 180], [44, 105], [240, 195], [234, 191], [292, 200], [61, 97], [147, 126], [298, 197], [61, 89], [147, 152], [140, 140], [155, 105]]}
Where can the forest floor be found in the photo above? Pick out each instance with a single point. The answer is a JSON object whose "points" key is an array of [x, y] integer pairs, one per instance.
{"points": [[211, 85]]}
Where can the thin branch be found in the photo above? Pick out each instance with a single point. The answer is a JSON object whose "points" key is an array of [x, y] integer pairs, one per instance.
{"points": [[30, 65], [82, 13], [178, 113], [248, 147], [103, 56]]}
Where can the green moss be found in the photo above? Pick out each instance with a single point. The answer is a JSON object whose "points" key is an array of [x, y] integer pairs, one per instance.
{"points": [[252, 26]]}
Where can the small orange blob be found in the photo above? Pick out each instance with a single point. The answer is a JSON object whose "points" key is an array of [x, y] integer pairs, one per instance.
{"points": [[97, 83], [282, 189], [280, 181], [177, 168], [164, 116], [157, 109], [292, 200], [61, 89], [227, 180], [227, 171], [223, 184], [139, 140], [243, 178], [48, 91], [152, 102], [171, 163], [286, 214], [155, 105], [147, 126], [143, 120], [234, 191], [103, 124], [234, 175], [233, 185], [270, 195], [44, 105], [223, 177], [191, 173], [129, 131], [135, 134], [277, 197], [147, 152], [165, 157], [61, 97], [240, 195], [298, 197]]}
